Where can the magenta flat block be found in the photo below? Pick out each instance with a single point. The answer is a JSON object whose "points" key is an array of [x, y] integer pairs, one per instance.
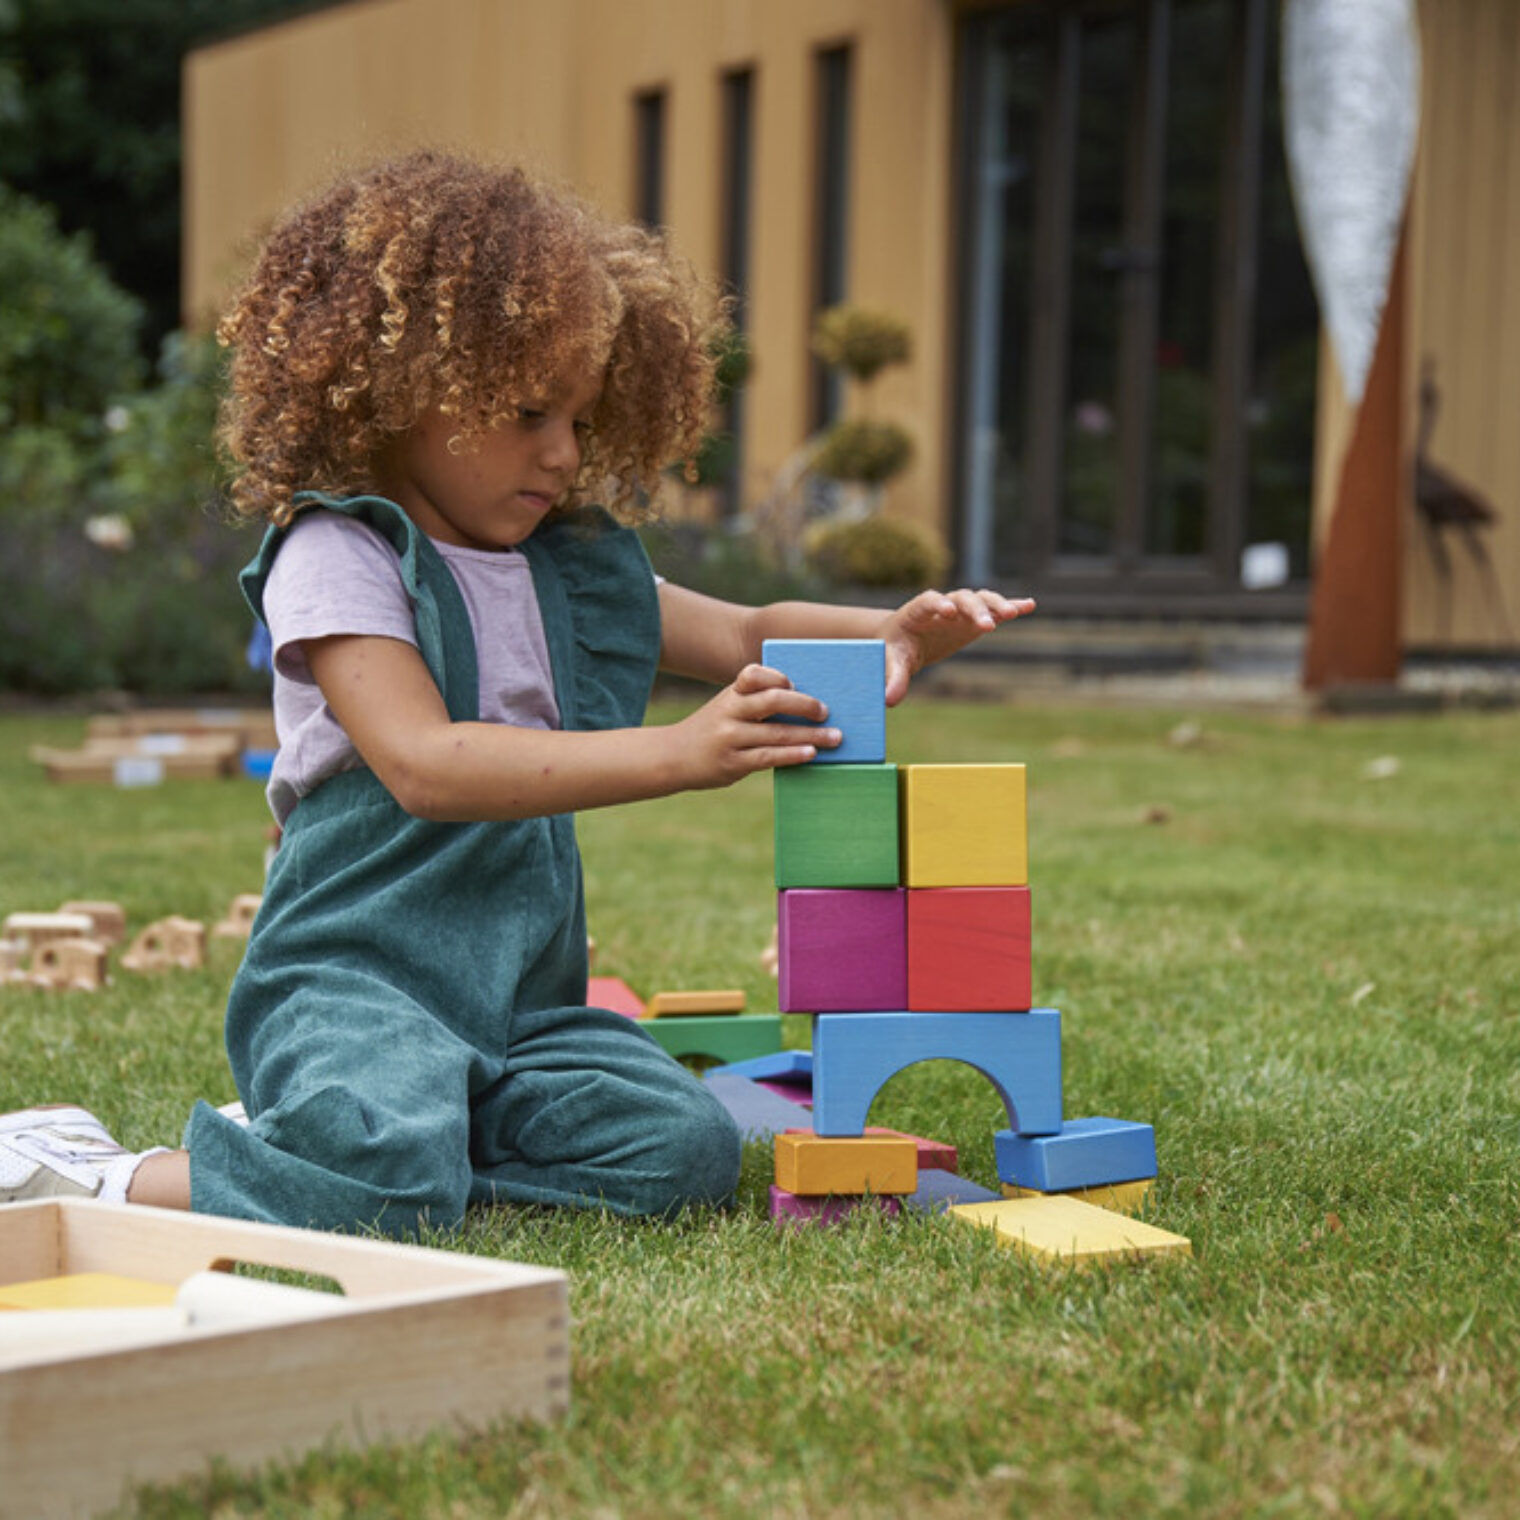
{"points": [[842, 949], [790, 1208]]}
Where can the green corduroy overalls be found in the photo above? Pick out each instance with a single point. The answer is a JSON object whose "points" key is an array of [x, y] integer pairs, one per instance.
{"points": [[408, 1029]]}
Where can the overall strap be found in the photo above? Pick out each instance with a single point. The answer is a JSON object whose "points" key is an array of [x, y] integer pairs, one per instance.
{"points": [[443, 621]]}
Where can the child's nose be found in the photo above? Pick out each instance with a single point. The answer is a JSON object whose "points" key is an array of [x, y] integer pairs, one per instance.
{"points": [[562, 446]]}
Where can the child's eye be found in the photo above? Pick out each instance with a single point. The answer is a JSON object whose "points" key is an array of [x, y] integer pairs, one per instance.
{"points": [[583, 429], [529, 414]]}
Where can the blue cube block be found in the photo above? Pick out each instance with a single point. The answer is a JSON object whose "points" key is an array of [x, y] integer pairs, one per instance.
{"points": [[850, 676], [1086, 1153]]}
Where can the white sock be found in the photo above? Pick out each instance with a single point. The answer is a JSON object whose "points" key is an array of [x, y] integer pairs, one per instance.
{"points": [[116, 1177]]}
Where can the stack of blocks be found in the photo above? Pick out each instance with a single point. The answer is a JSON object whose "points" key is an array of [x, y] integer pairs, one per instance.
{"points": [[904, 929]]}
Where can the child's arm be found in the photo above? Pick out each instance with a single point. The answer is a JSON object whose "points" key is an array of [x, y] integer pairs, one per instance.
{"points": [[712, 640], [380, 691]]}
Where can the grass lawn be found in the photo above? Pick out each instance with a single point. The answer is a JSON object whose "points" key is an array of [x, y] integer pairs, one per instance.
{"points": [[1304, 973]]}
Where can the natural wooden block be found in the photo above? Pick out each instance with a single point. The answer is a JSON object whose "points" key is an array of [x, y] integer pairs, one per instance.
{"points": [[252, 727], [850, 677], [836, 826], [719, 1038], [841, 949], [38, 929], [817, 1167], [419, 1340], [143, 761], [76, 964], [794, 1209], [968, 948], [685, 1004], [854, 1054], [1122, 1197], [241, 913], [964, 826], [1059, 1228], [108, 922], [172, 941], [1083, 1153]]}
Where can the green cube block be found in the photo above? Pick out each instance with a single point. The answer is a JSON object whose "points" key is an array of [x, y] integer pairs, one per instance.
{"points": [[836, 826], [722, 1037]]}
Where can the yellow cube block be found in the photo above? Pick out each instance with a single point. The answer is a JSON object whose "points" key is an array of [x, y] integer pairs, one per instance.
{"points": [[819, 1165], [964, 826]]}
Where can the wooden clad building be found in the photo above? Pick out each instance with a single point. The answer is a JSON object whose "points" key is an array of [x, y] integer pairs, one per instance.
{"points": [[1118, 392]]}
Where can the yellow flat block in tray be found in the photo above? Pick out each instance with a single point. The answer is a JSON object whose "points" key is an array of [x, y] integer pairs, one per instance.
{"points": [[816, 1166], [688, 1004], [1121, 1197], [1059, 1228], [86, 1290], [417, 1340]]}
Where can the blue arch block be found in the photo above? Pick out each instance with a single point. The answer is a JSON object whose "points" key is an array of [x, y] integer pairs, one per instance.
{"points": [[854, 1054]]}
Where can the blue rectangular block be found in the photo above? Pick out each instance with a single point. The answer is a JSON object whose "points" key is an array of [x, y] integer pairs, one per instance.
{"points": [[1085, 1153], [854, 1055], [784, 1063], [850, 677]]}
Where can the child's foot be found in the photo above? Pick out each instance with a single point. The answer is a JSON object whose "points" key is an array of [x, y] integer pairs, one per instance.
{"points": [[58, 1152]]}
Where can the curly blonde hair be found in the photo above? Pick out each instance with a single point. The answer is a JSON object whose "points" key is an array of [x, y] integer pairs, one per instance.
{"points": [[434, 281]]}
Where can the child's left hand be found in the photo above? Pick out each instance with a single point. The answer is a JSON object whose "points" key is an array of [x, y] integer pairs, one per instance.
{"points": [[935, 624]]}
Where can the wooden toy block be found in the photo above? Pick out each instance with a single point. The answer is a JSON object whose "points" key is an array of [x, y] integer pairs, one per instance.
{"points": [[968, 948], [815, 1166], [933, 1155], [836, 826], [794, 1064], [794, 1209], [841, 949], [938, 1191], [38, 929], [964, 826], [241, 913], [86, 1290], [77, 964], [418, 1340], [1058, 1228], [854, 1054], [850, 677], [612, 992], [686, 1004], [172, 941], [252, 727], [143, 761], [1121, 1197], [758, 1112], [717, 1038], [108, 923], [13, 958], [1083, 1153]]}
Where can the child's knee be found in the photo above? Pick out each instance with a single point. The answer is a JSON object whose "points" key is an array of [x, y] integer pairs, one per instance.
{"points": [[697, 1158]]}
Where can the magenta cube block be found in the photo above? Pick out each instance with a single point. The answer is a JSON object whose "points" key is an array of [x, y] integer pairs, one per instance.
{"points": [[842, 950]]}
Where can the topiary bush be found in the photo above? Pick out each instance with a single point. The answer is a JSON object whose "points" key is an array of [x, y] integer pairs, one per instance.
{"points": [[863, 451], [860, 341], [884, 552]]}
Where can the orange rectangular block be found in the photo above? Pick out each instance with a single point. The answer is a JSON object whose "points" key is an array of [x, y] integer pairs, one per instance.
{"points": [[816, 1165], [964, 826], [673, 1004], [968, 949]]}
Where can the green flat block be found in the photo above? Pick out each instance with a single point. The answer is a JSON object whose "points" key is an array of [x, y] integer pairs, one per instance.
{"points": [[722, 1037], [836, 826]]}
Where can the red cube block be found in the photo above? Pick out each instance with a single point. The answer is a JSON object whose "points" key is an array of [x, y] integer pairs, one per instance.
{"points": [[968, 949]]}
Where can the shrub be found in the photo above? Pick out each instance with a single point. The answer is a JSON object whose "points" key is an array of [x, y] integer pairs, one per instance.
{"points": [[877, 551], [860, 341], [864, 451]]}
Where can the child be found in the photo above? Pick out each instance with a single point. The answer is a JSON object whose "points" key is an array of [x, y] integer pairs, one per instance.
{"points": [[437, 367]]}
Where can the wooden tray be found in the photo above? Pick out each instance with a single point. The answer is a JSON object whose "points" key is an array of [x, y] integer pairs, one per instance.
{"points": [[419, 1338]]}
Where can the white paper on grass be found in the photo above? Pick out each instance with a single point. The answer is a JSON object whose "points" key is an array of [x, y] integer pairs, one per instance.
{"points": [[1351, 110]]}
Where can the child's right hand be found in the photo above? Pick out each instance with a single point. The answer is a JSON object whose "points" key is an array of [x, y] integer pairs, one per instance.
{"points": [[729, 737]]}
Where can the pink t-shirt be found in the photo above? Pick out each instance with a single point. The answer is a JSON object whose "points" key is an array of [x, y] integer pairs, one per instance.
{"points": [[335, 575]]}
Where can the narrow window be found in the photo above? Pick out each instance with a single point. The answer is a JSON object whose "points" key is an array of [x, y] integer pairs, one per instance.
{"points": [[736, 197], [649, 158], [830, 214]]}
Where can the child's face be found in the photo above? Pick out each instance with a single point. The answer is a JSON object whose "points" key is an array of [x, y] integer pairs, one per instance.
{"points": [[491, 492]]}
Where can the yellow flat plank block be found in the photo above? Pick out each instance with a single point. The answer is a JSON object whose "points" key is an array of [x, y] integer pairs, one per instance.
{"points": [[677, 1004], [1121, 1197], [1060, 1228], [964, 825], [818, 1165], [86, 1290]]}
